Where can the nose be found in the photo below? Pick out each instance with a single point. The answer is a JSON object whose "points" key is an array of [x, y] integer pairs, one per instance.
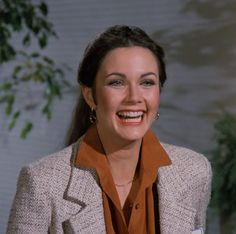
{"points": [[133, 94]]}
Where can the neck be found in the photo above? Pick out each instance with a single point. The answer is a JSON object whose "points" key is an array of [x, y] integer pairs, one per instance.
{"points": [[122, 158]]}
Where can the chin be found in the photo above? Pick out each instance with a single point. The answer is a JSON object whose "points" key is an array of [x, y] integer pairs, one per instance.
{"points": [[132, 135]]}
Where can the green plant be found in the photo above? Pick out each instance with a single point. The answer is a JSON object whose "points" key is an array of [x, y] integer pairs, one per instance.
{"points": [[28, 22], [224, 168]]}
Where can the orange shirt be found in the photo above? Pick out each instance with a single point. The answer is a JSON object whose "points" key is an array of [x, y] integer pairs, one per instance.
{"points": [[137, 215]]}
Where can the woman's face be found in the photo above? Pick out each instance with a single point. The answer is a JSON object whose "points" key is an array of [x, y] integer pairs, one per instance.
{"points": [[127, 93]]}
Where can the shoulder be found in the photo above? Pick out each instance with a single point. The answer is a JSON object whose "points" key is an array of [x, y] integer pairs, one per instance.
{"points": [[39, 184], [40, 179], [47, 172], [188, 163], [59, 160], [187, 179], [179, 154]]}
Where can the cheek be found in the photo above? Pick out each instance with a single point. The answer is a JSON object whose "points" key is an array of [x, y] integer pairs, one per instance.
{"points": [[105, 102], [153, 100]]}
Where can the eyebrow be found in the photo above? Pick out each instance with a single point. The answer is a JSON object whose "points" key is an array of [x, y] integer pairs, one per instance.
{"points": [[124, 76], [149, 74], [115, 74]]}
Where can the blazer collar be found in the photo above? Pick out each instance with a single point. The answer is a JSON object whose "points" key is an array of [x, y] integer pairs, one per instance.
{"points": [[84, 193], [83, 190]]}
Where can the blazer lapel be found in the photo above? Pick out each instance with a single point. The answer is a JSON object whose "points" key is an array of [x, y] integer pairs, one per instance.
{"points": [[85, 196], [176, 216]]}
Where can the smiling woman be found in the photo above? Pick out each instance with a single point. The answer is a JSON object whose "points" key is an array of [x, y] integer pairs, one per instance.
{"points": [[115, 176], [126, 95]]}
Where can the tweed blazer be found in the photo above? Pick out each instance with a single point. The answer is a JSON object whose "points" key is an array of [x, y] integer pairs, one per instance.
{"points": [[53, 196]]}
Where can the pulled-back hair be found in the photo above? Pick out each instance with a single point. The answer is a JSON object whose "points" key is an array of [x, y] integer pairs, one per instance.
{"points": [[114, 37]]}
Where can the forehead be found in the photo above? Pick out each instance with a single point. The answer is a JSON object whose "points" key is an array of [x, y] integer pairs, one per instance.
{"points": [[129, 58]]}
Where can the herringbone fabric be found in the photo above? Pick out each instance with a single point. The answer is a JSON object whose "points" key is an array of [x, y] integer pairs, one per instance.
{"points": [[55, 197]]}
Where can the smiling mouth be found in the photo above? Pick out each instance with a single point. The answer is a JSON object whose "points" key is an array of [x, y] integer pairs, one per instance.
{"points": [[130, 116]]}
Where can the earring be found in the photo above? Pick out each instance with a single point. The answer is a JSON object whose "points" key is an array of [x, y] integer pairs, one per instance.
{"points": [[92, 116], [157, 116]]}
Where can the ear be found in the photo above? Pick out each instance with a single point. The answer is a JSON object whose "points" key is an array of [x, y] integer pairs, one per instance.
{"points": [[88, 96]]}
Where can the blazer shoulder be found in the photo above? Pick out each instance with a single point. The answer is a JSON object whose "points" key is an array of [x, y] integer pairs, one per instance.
{"points": [[178, 154], [62, 156], [51, 166], [187, 160], [40, 184]]}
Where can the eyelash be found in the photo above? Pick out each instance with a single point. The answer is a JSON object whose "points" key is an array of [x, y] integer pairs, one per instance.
{"points": [[148, 82], [117, 83]]}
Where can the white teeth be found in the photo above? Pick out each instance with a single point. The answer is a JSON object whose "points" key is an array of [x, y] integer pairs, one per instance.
{"points": [[130, 114], [132, 120]]}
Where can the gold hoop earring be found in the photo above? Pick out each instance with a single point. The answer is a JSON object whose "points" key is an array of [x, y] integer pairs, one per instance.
{"points": [[92, 116]]}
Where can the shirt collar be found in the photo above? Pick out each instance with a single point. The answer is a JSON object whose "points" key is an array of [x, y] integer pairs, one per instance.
{"points": [[91, 153]]}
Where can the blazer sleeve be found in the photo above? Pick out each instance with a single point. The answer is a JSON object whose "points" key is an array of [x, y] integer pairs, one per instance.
{"points": [[30, 212], [204, 198]]}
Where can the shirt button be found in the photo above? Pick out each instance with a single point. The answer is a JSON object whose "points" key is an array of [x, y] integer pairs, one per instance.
{"points": [[137, 206]]}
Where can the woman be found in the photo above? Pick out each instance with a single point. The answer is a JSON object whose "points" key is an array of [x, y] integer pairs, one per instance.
{"points": [[117, 177]]}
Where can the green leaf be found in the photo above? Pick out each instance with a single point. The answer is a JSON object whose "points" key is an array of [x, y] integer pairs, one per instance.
{"points": [[26, 77], [17, 69], [224, 164], [14, 119], [48, 60], [60, 72], [9, 104], [28, 20], [46, 111], [26, 129], [6, 86], [7, 53], [5, 34], [35, 55], [43, 8], [42, 40], [56, 89], [26, 40], [6, 16], [36, 29], [15, 20]]}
